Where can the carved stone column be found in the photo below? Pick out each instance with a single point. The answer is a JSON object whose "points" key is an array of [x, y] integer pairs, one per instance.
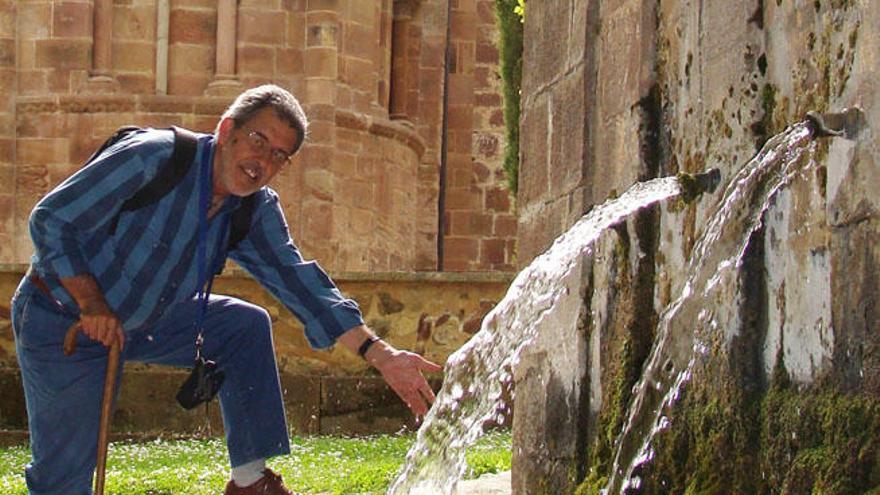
{"points": [[226, 81], [403, 12], [101, 78]]}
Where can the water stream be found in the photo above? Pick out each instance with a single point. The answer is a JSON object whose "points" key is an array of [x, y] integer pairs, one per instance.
{"points": [[477, 374], [703, 309]]}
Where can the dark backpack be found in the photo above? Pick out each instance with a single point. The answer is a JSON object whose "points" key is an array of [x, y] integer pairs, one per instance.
{"points": [[170, 174]]}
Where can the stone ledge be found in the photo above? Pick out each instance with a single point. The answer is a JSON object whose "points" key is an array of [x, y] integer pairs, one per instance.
{"points": [[146, 407], [200, 105], [234, 272], [391, 129]]}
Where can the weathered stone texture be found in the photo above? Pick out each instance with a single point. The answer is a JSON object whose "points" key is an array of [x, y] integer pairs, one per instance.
{"points": [[654, 89], [430, 314]]}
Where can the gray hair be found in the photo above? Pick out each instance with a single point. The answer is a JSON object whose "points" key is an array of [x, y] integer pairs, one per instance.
{"points": [[286, 107]]}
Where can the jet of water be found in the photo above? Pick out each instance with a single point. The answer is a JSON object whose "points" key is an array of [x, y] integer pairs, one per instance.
{"points": [[478, 372], [687, 323]]}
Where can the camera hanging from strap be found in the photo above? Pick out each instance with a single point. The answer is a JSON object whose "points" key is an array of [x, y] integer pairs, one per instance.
{"points": [[205, 379]]}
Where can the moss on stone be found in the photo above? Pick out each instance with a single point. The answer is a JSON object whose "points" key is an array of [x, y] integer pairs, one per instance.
{"points": [[789, 441], [510, 28], [690, 187]]}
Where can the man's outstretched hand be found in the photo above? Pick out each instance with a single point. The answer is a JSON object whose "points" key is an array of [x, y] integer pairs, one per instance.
{"points": [[402, 370]]}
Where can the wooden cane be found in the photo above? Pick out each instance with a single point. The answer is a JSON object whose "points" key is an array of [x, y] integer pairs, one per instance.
{"points": [[106, 405]]}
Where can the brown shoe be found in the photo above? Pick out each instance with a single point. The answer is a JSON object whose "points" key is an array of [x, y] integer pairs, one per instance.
{"points": [[269, 484]]}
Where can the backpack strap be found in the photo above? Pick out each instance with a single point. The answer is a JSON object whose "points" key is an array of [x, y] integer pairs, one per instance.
{"points": [[241, 221], [239, 224], [170, 174]]}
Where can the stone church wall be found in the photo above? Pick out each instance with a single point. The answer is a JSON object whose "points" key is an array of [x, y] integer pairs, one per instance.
{"points": [[401, 172]]}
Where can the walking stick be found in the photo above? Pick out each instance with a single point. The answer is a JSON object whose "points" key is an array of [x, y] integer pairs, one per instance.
{"points": [[106, 405]]}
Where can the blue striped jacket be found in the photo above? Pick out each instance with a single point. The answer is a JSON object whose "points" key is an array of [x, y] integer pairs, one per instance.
{"points": [[149, 263]]}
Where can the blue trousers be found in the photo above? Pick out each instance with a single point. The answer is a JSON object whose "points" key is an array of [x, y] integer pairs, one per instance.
{"points": [[63, 394]]}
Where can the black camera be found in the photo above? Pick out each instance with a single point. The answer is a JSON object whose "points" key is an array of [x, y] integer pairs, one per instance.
{"points": [[201, 385]]}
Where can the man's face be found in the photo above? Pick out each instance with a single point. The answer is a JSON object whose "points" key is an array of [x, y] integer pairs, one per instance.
{"points": [[249, 156]]}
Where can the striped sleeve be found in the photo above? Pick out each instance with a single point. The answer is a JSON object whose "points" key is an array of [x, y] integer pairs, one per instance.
{"points": [[269, 254], [85, 202]]}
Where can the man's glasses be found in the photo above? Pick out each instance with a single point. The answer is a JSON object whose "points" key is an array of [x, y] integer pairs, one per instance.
{"points": [[260, 142]]}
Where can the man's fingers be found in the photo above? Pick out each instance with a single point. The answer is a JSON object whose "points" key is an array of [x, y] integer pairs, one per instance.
{"points": [[425, 365], [104, 330], [428, 393], [416, 404]]}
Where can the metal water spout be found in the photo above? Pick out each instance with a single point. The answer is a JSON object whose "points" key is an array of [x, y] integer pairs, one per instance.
{"points": [[846, 124], [694, 185]]}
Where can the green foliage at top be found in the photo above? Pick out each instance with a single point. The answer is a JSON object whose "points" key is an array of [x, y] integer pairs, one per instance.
{"points": [[510, 15], [319, 464], [520, 10]]}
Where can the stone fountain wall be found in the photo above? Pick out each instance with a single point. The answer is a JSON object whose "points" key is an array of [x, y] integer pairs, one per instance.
{"points": [[625, 90]]}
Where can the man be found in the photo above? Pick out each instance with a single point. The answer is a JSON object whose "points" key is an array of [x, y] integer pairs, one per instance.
{"points": [[132, 277]]}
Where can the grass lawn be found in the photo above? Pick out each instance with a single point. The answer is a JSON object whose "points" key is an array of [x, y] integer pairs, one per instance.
{"points": [[317, 465]]}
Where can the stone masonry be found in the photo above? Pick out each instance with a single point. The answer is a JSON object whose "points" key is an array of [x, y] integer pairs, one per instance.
{"points": [[366, 192], [401, 171]]}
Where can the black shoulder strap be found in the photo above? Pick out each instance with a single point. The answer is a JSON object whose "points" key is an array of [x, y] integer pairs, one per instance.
{"points": [[240, 224], [241, 221], [115, 138], [170, 174]]}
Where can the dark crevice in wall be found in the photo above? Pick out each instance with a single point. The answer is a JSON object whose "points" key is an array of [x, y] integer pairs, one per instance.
{"points": [[591, 74], [746, 353], [651, 133], [444, 129]]}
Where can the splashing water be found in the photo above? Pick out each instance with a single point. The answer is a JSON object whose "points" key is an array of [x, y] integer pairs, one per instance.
{"points": [[688, 324], [477, 373]]}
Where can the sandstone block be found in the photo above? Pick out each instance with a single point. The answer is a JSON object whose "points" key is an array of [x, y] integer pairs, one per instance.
{"points": [[35, 19], [135, 23], [567, 151], [498, 199], [533, 169], [321, 32], [467, 223], [262, 4], [192, 26], [505, 226], [256, 60], [359, 40], [134, 56], [464, 198], [7, 53], [486, 53], [7, 19], [460, 249], [320, 91], [195, 4], [296, 29], [191, 60], [41, 151], [290, 61], [545, 36], [62, 54], [361, 75], [319, 5], [72, 20], [261, 27], [187, 85], [137, 83], [321, 62], [493, 252]]}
